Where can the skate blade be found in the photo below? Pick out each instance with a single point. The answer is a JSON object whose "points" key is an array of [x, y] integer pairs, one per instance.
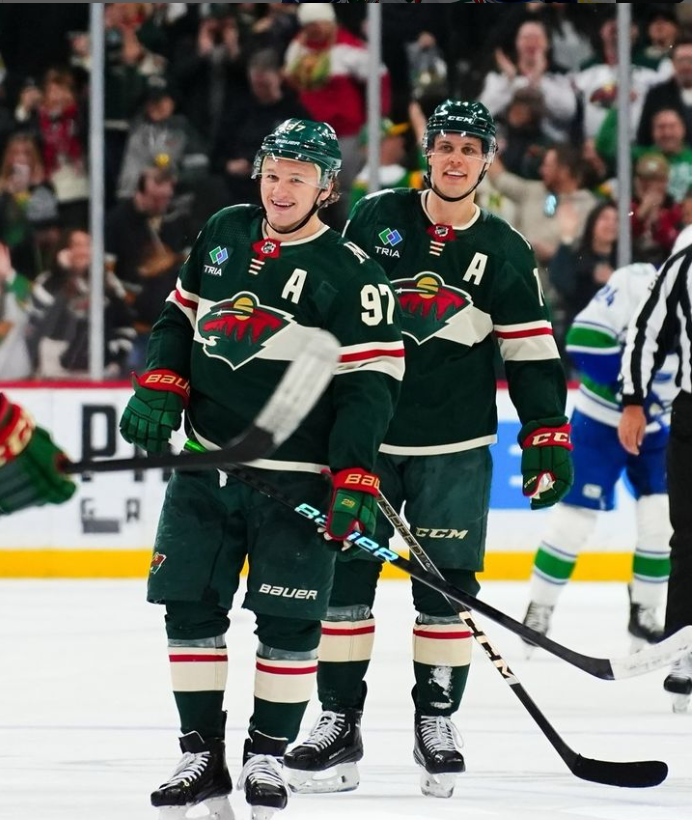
{"points": [[216, 808], [637, 644], [343, 777], [262, 812], [680, 704], [438, 785], [529, 650]]}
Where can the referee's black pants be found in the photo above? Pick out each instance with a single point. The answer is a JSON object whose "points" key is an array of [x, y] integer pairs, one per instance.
{"points": [[679, 605]]}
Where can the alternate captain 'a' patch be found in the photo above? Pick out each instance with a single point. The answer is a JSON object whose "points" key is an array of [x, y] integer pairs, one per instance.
{"points": [[428, 304], [237, 329]]}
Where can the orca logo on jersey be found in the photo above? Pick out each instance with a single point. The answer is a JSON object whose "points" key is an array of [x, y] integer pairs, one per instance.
{"points": [[238, 329], [428, 304]]}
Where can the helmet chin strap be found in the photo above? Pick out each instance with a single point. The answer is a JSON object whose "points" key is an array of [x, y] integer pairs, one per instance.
{"points": [[303, 222], [427, 178]]}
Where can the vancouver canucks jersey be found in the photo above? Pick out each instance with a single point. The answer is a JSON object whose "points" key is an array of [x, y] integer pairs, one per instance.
{"points": [[596, 340], [239, 315], [462, 290]]}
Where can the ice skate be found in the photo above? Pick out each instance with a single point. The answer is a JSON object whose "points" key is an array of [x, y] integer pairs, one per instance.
{"points": [[261, 778], [436, 751], [326, 761], [679, 683], [643, 627], [201, 777], [537, 618]]}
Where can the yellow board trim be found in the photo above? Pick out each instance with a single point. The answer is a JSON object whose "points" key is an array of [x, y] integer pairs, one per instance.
{"points": [[499, 566]]}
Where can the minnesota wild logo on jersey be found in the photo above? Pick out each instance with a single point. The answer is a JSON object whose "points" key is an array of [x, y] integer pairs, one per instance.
{"points": [[237, 329], [428, 304]]}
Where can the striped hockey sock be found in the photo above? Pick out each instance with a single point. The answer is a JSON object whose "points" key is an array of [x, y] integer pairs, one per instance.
{"points": [[344, 653], [441, 660], [199, 670]]}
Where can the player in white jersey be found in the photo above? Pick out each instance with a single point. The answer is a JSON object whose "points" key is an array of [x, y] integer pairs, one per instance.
{"points": [[595, 342]]}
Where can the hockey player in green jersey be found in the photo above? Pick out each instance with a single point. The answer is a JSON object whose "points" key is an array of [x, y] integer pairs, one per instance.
{"points": [[256, 281], [466, 281]]}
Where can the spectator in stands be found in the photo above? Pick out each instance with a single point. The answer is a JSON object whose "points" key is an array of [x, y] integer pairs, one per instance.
{"points": [[54, 116], [15, 295], [161, 138], [531, 69], [675, 94], [393, 170], [669, 140], [16, 230], [328, 67], [655, 216], [275, 29], [59, 317], [520, 135], [146, 242], [128, 65], [210, 75], [538, 202], [662, 31], [581, 266], [28, 206], [248, 120], [597, 83]]}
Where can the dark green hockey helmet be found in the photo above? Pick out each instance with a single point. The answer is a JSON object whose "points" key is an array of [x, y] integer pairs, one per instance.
{"points": [[462, 117], [306, 141]]}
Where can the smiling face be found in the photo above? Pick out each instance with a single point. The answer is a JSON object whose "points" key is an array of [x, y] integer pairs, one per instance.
{"points": [[289, 189], [456, 162]]}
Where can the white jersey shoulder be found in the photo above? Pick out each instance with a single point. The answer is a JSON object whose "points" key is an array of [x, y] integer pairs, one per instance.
{"points": [[612, 308]]}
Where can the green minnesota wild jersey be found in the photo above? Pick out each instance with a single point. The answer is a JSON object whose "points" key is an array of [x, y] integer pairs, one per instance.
{"points": [[462, 291], [239, 315]]}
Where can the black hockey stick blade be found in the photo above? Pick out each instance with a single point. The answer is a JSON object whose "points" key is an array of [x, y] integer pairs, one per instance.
{"points": [[296, 394], [640, 775]]}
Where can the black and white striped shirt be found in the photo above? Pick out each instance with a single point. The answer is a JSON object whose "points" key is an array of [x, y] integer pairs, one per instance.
{"points": [[662, 324]]}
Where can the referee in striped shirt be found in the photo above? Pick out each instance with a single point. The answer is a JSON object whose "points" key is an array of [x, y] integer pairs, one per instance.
{"points": [[663, 322]]}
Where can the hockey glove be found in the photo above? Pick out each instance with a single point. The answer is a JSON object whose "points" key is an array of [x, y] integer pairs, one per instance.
{"points": [[156, 409], [546, 461], [29, 463], [353, 506]]}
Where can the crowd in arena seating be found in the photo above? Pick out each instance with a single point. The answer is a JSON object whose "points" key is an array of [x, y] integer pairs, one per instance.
{"points": [[190, 90]]}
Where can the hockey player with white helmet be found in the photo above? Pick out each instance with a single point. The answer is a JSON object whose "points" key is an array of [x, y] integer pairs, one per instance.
{"points": [[595, 343]]}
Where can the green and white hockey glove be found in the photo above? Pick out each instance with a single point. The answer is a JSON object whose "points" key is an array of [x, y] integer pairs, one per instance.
{"points": [[546, 461], [156, 409], [30, 462], [353, 506]]}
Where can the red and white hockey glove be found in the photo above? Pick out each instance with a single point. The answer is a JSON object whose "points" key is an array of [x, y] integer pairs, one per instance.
{"points": [[30, 462], [353, 506], [546, 461]]}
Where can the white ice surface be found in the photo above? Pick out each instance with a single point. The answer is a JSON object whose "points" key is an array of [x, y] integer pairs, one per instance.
{"points": [[88, 726]]}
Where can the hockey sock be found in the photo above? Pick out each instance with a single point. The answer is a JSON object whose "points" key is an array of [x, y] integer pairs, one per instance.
{"points": [[199, 664], [199, 669], [570, 528], [285, 673], [651, 561], [348, 635], [441, 659]]}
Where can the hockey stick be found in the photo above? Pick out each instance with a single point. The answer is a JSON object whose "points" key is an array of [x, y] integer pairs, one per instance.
{"points": [[639, 663], [632, 775], [294, 397]]}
